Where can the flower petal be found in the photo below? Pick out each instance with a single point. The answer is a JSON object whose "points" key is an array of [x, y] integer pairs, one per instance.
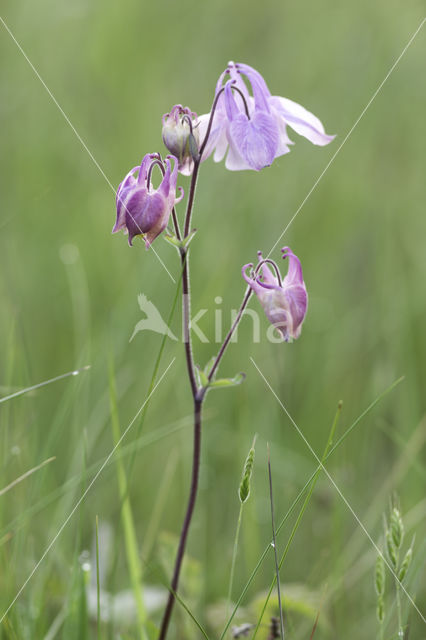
{"points": [[146, 214], [252, 75], [301, 120], [121, 200], [298, 304], [256, 140], [268, 276], [294, 273], [217, 141]]}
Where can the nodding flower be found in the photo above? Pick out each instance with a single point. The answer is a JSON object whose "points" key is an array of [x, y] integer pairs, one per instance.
{"points": [[181, 136], [251, 126], [141, 209], [285, 301]]}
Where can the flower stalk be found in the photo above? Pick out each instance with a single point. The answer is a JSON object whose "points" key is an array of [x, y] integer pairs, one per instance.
{"points": [[198, 392], [247, 126]]}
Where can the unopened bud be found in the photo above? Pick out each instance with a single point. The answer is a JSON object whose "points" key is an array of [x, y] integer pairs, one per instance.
{"points": [[181, 137]]}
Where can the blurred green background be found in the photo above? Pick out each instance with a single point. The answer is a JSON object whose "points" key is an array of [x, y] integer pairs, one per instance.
{"points": [[69, 289]]}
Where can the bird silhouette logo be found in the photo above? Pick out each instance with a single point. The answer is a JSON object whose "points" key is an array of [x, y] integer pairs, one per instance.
{"points": [[153, 320]]}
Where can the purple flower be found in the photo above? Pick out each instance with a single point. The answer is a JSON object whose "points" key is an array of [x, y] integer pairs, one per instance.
{"points": [[285, 302], [141, 209], [253, 127], [181, 137]]}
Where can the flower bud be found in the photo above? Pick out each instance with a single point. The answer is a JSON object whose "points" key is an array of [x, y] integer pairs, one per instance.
{"points": [[141, 209], [285, 302], [181, 137]]}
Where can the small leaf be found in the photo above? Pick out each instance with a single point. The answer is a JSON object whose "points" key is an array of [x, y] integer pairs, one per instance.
{"points": [[171, 238], [197, 375], [193, 147], [185, 243], [209, 365], [228, 382], [202, 378]]}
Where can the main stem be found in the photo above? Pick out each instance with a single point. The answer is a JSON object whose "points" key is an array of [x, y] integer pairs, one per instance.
{"points": [[188, 516], [198, 394], [198, 397]]}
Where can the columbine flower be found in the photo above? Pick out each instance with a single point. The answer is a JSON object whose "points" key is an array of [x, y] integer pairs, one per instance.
{"points": [[285, 302], [180, 136], [253, 128], [141, 209]]}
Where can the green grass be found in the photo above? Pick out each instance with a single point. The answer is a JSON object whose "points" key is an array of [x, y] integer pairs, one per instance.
{"points": [[68, 292]]}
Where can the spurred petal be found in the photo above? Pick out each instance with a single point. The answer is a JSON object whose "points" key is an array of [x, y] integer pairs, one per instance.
{"points": [[294, 273], [237, 80], [135, 209], [269, 278], [143, 171], [252, 74], [145, 215], [256, 286], [256, 140], [231, 106], [168, 180], [301, 120], [298, 305], [261, 93]]}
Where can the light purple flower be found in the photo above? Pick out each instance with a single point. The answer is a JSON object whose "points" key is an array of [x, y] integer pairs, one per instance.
{"points": [[285, 301], [181, 137], [252, 127], [141, 209]]}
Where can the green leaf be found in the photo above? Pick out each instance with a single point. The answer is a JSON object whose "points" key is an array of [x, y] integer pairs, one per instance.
{"points": [[171, 238], [201, 376], [209, 365], [193, 147], [228, 382]]}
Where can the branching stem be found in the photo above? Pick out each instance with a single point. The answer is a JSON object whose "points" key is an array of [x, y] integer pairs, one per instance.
{"points": [[198, 393]]}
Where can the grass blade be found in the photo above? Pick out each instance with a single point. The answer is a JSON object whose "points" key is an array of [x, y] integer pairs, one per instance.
{"points": [[130, 541]]}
